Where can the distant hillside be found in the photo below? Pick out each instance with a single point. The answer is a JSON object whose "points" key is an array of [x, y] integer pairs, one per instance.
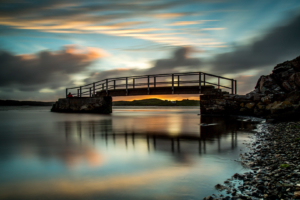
{"points": [[157, 102], [24, 103]]}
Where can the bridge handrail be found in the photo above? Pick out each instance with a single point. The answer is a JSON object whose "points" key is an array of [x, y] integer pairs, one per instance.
{"points": [[104, 84]]}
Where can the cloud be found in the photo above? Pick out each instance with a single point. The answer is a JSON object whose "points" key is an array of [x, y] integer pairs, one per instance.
{"points": [[45, 69], [212, 29], [100, 17], [277, 45], [75, 8], [41, 75], [179, 62], [169, 15], [184, 23], [179, 59]]}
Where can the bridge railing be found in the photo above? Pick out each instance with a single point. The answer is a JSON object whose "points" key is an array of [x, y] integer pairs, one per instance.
{"points": [[155, 80]]}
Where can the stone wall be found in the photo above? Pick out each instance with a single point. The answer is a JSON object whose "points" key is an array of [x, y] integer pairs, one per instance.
{"points": [[245, 105], [101, 105], [275, 96]]}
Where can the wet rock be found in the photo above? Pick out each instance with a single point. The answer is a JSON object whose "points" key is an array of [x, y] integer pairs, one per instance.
{"points": [[279, 107], [267, 99], [84, 107], [241, 97], [220, 187], [261, 106], [250, 105], [293, 97], [286, 85], [220, 102], [297, 194], [242, 110], [297, 79]]}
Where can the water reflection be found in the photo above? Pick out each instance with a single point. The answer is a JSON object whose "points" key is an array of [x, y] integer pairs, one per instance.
{"points": [[131, 154], [211, 130]]}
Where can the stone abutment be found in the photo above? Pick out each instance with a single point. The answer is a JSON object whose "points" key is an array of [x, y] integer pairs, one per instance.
{"points": [[102, 105]]}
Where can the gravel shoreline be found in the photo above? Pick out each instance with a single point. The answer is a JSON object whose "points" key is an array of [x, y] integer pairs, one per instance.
{"points": [[274, 162]]}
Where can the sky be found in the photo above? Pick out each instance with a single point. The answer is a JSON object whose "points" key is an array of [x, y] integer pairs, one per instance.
{"points": [[47, 46]]}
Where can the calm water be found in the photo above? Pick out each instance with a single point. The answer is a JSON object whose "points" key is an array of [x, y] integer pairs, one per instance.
{"points": [[134, 153]]}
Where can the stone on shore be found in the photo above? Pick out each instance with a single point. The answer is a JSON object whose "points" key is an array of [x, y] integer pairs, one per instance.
{"points": [[274, 160]]}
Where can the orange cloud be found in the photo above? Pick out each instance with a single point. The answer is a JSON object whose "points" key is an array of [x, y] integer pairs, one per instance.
{"points": [[90, 53], [184, 23], [27, 56], [169, 15], [88, 25]]}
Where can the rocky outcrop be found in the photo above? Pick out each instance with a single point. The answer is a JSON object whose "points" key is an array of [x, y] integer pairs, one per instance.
{"points": [[101, 105], [275, 96], [285, 78]]}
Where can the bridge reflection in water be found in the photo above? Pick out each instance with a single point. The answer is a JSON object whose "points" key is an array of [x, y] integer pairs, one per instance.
{"points": [[214, 132]]}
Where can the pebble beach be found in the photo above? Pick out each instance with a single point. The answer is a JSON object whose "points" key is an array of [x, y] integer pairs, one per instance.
{"points": [[273, 162]]}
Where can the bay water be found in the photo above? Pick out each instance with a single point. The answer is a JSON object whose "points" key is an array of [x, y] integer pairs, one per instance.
{"points": [[133, 153]]}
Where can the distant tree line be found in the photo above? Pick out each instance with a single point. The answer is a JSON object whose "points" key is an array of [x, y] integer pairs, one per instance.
{"points": [[24, 103], [157, 102]]}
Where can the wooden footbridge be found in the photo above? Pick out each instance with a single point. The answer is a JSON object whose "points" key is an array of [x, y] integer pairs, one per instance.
{"points": [[157, 84]]}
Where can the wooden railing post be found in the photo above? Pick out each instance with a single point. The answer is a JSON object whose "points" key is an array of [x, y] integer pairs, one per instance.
{"points": [[178, 81], [172, 83], [154, 81], [204, 79], [77, 92], [218, 82], [133, 82], [148, 84], [80, 91], [90, 92], [114, 84], [232, 86], [235, 87], [106, 86], [94, 89], [66, 92], [126, 86], [200, 81]]}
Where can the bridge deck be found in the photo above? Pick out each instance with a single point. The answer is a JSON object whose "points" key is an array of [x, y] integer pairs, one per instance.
{"points": [[158, 91]]}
